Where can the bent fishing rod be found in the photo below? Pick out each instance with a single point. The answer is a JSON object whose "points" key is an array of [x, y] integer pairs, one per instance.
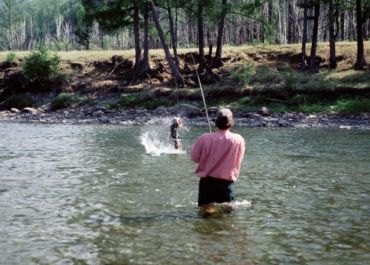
{"points": [[203, 97]]}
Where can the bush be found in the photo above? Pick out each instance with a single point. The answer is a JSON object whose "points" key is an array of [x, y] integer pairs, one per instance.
{"points": [[144, 100], [287, 74], [11, 58], [40, 66], [264, 74], [314, 108], [19, 101], [245, 73], [154, 103], [130, 100], [63, 100], [355, 105], [86, 101], [352, 105]]}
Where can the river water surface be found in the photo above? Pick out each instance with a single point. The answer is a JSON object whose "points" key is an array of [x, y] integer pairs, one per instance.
{"points": [[92, 195]]}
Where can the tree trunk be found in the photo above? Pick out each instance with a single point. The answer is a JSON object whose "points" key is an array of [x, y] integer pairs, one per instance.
{"points": [[101, 36], [10, 29], [174, 69], [189, 20], [361, 62], [304, 38], [342, 22], [172, 33], [315, 31], [145, 61], [333, 61], [279, 23], [142, 68], [137, 34], [200, 31], [221, 27], [352, 27], [290, 20]]}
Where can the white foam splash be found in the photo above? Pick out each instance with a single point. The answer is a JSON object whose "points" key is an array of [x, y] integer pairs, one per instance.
{"points": [[233, 204], [154, 146], [155, 137], [241, 204]]}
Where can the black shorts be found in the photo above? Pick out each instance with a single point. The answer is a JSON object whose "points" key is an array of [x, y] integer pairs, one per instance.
{"points": [[215, 190]]}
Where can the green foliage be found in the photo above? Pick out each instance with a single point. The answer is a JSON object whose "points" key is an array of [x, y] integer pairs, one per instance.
{"points": [[353, 105], [344, 105], [265, 74], [241, 103], [111, 15], [63, 100], [86, 101], [243, 74], [314, 108], [40, 66], [287, 74], [19, 101], [154, 103], [11, 58], [249, 73], [83, 27], [129, 100], [139, 100]]}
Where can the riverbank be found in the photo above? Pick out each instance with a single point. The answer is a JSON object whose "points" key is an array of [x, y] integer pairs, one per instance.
{"points": [[193, 116], [263, 84]]}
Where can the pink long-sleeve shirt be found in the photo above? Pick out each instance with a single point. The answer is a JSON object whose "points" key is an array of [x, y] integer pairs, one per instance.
{"points": [[219, 154]]}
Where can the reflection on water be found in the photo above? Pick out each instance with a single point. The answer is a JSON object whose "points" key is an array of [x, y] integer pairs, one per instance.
{"points": [[85, 194]]}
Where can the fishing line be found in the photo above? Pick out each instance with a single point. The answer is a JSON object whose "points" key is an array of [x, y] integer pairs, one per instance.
{"points": [[203, 97]]}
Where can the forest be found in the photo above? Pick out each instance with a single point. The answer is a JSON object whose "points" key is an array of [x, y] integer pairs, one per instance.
{"points": [[104, 25], [59, 24]]}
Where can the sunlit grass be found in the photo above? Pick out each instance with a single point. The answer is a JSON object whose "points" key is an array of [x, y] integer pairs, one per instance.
{"points": [[348, 49]]}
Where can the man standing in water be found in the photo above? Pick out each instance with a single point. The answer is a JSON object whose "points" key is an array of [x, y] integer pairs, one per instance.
{"points": [[219, 156], [176, 124]]}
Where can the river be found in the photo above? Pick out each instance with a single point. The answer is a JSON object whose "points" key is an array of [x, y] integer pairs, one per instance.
{"points": [[74, 194]]}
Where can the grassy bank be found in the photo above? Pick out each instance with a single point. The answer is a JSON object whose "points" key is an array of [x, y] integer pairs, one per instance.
{"points": [[251, 77]]}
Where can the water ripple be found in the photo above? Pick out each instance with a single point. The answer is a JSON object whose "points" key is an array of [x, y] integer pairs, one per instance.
{"points": [[91, 195]]}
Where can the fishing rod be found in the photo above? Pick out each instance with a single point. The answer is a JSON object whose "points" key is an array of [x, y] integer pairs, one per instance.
{"points": [[203, 97]]}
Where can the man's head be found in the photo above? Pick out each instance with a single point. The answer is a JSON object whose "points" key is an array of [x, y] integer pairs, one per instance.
{"points": [[177, 122], [224, 119]]}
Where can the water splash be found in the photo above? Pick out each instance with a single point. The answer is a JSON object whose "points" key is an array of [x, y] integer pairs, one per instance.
{"points": [[155, 137], [241, 204]]}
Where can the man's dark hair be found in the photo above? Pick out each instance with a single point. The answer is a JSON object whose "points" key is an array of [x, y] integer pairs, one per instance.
{"points": [[224, 119]]}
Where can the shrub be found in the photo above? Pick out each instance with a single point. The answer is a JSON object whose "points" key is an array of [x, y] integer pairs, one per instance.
{"points": [[314, 108], [352, 105], [154, 103], [287, 74], [139, 100], [40, 66], [129, 100], [245, 73], [264, 74], [63, 100], [87, 101], [19, 101], [11, 58]]}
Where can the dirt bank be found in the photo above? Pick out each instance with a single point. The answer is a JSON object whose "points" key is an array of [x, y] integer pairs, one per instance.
{"points": [[249, 78]]}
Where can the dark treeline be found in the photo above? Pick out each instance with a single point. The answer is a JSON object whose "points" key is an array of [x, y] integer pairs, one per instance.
{"points": [[143, 24]]}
